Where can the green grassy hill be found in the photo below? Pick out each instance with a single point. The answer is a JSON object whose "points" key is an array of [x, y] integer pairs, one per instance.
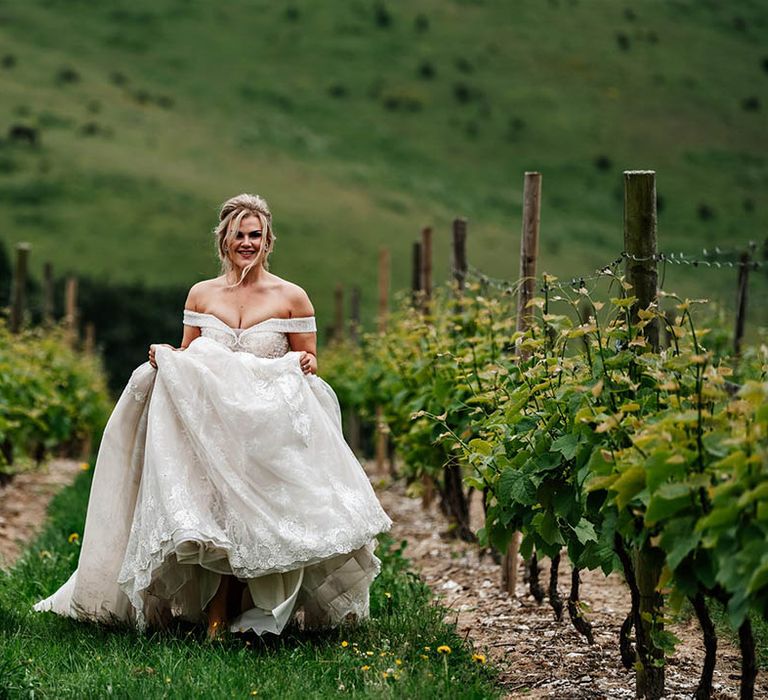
{"points": [[362, 121]]}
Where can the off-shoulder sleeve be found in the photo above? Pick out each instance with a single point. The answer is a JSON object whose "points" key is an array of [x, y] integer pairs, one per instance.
{"points": [[193, 318], [303, 324]]}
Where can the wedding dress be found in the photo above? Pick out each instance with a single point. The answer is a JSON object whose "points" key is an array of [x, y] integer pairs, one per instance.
{"points": [[227, 459]]}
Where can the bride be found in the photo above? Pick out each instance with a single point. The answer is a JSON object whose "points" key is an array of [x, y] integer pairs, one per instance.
{"points": [[223, 490]]}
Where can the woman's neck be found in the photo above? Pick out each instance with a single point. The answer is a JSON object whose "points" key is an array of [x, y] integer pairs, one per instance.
{"points": [[256, 275]]}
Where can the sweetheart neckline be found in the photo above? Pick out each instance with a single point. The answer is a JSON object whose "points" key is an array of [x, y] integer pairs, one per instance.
{"points": [[258, 323]]}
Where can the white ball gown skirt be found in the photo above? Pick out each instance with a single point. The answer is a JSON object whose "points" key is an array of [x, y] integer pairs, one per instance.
{"points": [[225, 462]]}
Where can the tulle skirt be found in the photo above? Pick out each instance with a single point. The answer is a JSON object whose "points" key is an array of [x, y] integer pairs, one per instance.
{"points": [[225, 463]]}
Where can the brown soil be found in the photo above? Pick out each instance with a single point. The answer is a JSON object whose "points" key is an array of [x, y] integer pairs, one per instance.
{"points": [[24, 503], [537, 656]]}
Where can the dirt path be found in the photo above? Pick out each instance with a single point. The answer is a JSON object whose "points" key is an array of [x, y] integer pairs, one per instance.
{"points": [[24, 502], [539, 657]]}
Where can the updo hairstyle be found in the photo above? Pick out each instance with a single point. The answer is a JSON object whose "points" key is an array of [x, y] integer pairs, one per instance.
{"points": [[231, 215]]}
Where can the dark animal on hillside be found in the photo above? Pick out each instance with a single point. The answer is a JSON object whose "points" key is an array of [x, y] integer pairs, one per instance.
{"points": [[21, 132]]}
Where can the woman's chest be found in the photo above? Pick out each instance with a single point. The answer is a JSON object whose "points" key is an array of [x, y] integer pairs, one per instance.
{"points": [[262, 343], [245, 310]]}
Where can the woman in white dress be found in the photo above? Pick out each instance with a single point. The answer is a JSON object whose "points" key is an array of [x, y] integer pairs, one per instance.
{"points": [[223, 490]]}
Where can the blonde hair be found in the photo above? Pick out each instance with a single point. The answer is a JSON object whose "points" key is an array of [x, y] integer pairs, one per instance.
{"points": [[231, 214]]}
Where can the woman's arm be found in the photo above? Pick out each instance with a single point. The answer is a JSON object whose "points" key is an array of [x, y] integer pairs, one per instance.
{"points": [[305, 343], [190, 332], [192, 302]]}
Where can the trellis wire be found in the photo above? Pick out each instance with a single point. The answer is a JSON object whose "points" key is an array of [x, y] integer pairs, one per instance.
{"points": [[601, 272]]}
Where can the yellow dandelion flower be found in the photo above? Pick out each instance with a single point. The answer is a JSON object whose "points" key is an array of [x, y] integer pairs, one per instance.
{"points": [[167, 679], [443, 649], [399, 662], [74, 537], [479, 658], [385, 674], [424, 656], [45, 554], [84, 466], [383, 653], [344, 644], [369, 653], [365, 668], [427, 648], [254, 692], [388, 595]]}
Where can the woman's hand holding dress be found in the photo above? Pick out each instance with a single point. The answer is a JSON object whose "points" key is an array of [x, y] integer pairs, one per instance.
{"points": [[308, 362], [152, 352]]}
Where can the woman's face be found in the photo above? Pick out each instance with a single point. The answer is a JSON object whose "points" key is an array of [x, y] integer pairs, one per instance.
{"points": [[248, 242]]}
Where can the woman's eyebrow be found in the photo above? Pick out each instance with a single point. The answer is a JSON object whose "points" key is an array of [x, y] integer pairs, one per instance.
{"points": [[258, 230]]}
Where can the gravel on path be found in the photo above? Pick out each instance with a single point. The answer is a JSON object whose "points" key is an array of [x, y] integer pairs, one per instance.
{"points": [[537, 656]]}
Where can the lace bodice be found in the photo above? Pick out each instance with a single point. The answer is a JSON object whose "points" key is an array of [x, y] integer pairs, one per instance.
{"points": [[264, 339]]}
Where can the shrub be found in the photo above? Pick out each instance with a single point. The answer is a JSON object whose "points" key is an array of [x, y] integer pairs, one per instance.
{"points": [[705, 212], [67, 75], [603, 162], [338, 90], [426, 70], [751, 104], [622, 40], [382, 16]]}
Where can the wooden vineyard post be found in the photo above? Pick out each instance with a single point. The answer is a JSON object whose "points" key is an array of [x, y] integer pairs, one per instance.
{"points": [[741, 302], [20, 287], [70, 308], [47, 293], [89, 342], [338, 313], [416, 274], [383, 289], [422, 254], [455, 499], [529, 250], [426, 268], [460, 253], [640, 243], [354, 315], [382, 429], [353, 417], [640, 247]]}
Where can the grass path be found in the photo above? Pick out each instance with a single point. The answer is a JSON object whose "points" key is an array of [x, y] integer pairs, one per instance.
{"points": [[392, 655]]}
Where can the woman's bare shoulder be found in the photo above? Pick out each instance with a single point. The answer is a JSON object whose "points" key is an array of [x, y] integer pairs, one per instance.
{"points": [[200, 291], [296, 296]]}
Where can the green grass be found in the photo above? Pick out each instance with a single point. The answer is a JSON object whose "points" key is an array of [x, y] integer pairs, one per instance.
{"points": [[56, 657], [194, 102], [759, 632]]}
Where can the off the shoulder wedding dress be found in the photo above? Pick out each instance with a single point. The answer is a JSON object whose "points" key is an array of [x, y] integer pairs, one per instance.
{"points": [[227, 459]]}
